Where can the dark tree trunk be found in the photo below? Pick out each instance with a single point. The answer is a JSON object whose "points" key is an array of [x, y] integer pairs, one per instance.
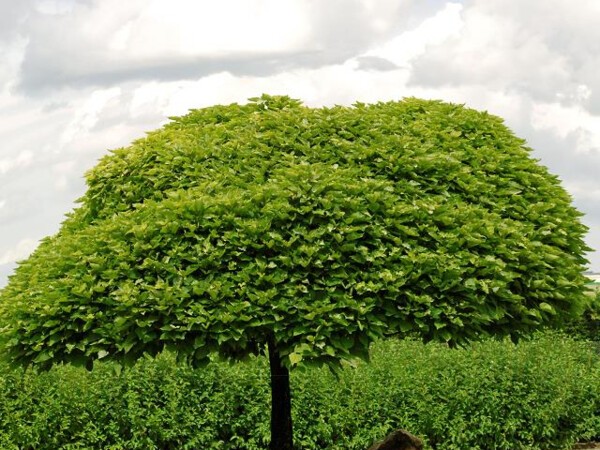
{"points": [[281, 404]]}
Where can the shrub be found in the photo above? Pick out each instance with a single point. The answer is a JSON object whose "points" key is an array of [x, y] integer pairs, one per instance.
{"points": [[539, 394], [587, 326]]}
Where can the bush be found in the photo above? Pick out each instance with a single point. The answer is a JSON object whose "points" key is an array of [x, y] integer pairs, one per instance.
{"points": [[154, 405], [587, 326], [539, 394]]}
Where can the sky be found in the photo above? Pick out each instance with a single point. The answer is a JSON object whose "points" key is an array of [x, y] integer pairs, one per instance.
{"points": [[81, 77]]}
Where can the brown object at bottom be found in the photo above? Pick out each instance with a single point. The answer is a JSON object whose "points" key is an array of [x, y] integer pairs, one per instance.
{"points": [[399, 440]]}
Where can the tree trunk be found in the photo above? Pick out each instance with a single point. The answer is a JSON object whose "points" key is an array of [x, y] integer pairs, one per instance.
{"points": [[281, 405]]}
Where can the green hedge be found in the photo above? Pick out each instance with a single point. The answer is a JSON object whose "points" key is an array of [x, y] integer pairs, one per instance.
{"points": [[540, 394]]}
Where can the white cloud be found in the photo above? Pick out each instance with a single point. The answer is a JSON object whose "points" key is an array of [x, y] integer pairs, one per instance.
{"points": [[565, 120], [153, 96], [158, 38], [115, 41], [339, 83], [584, 189], [55, 7], [216, 28], [22, 160], [88, 114], [13, 52], [62, 171], [540, 49], [402, 49], [121, 37], [21, 251]]}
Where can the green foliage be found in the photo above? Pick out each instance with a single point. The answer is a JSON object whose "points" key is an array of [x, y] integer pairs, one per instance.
{"points": [[153, 405], [540, 394], [324, 228], [587, 326]]}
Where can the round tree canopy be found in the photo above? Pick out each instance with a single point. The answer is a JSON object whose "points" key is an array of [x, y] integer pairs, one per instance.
{"points": [[321, 229]]}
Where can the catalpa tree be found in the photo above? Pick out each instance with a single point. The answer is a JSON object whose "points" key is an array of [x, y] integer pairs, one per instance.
{"points": [[304, 234]]}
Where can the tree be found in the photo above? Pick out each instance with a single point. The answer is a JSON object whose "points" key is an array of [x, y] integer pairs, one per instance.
{"points": [[304, 234]]}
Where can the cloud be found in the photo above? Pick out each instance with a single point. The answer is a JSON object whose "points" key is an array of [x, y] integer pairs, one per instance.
{"points": [[333, 84], [12, 17], [565, 120], [87, 116], [375, 63], [406, 46], [13, 52], [225, 27], [5, 271], [22, 160], [116, 42], [567, 139], [20, 251], [55, 7], [547, 50]]}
